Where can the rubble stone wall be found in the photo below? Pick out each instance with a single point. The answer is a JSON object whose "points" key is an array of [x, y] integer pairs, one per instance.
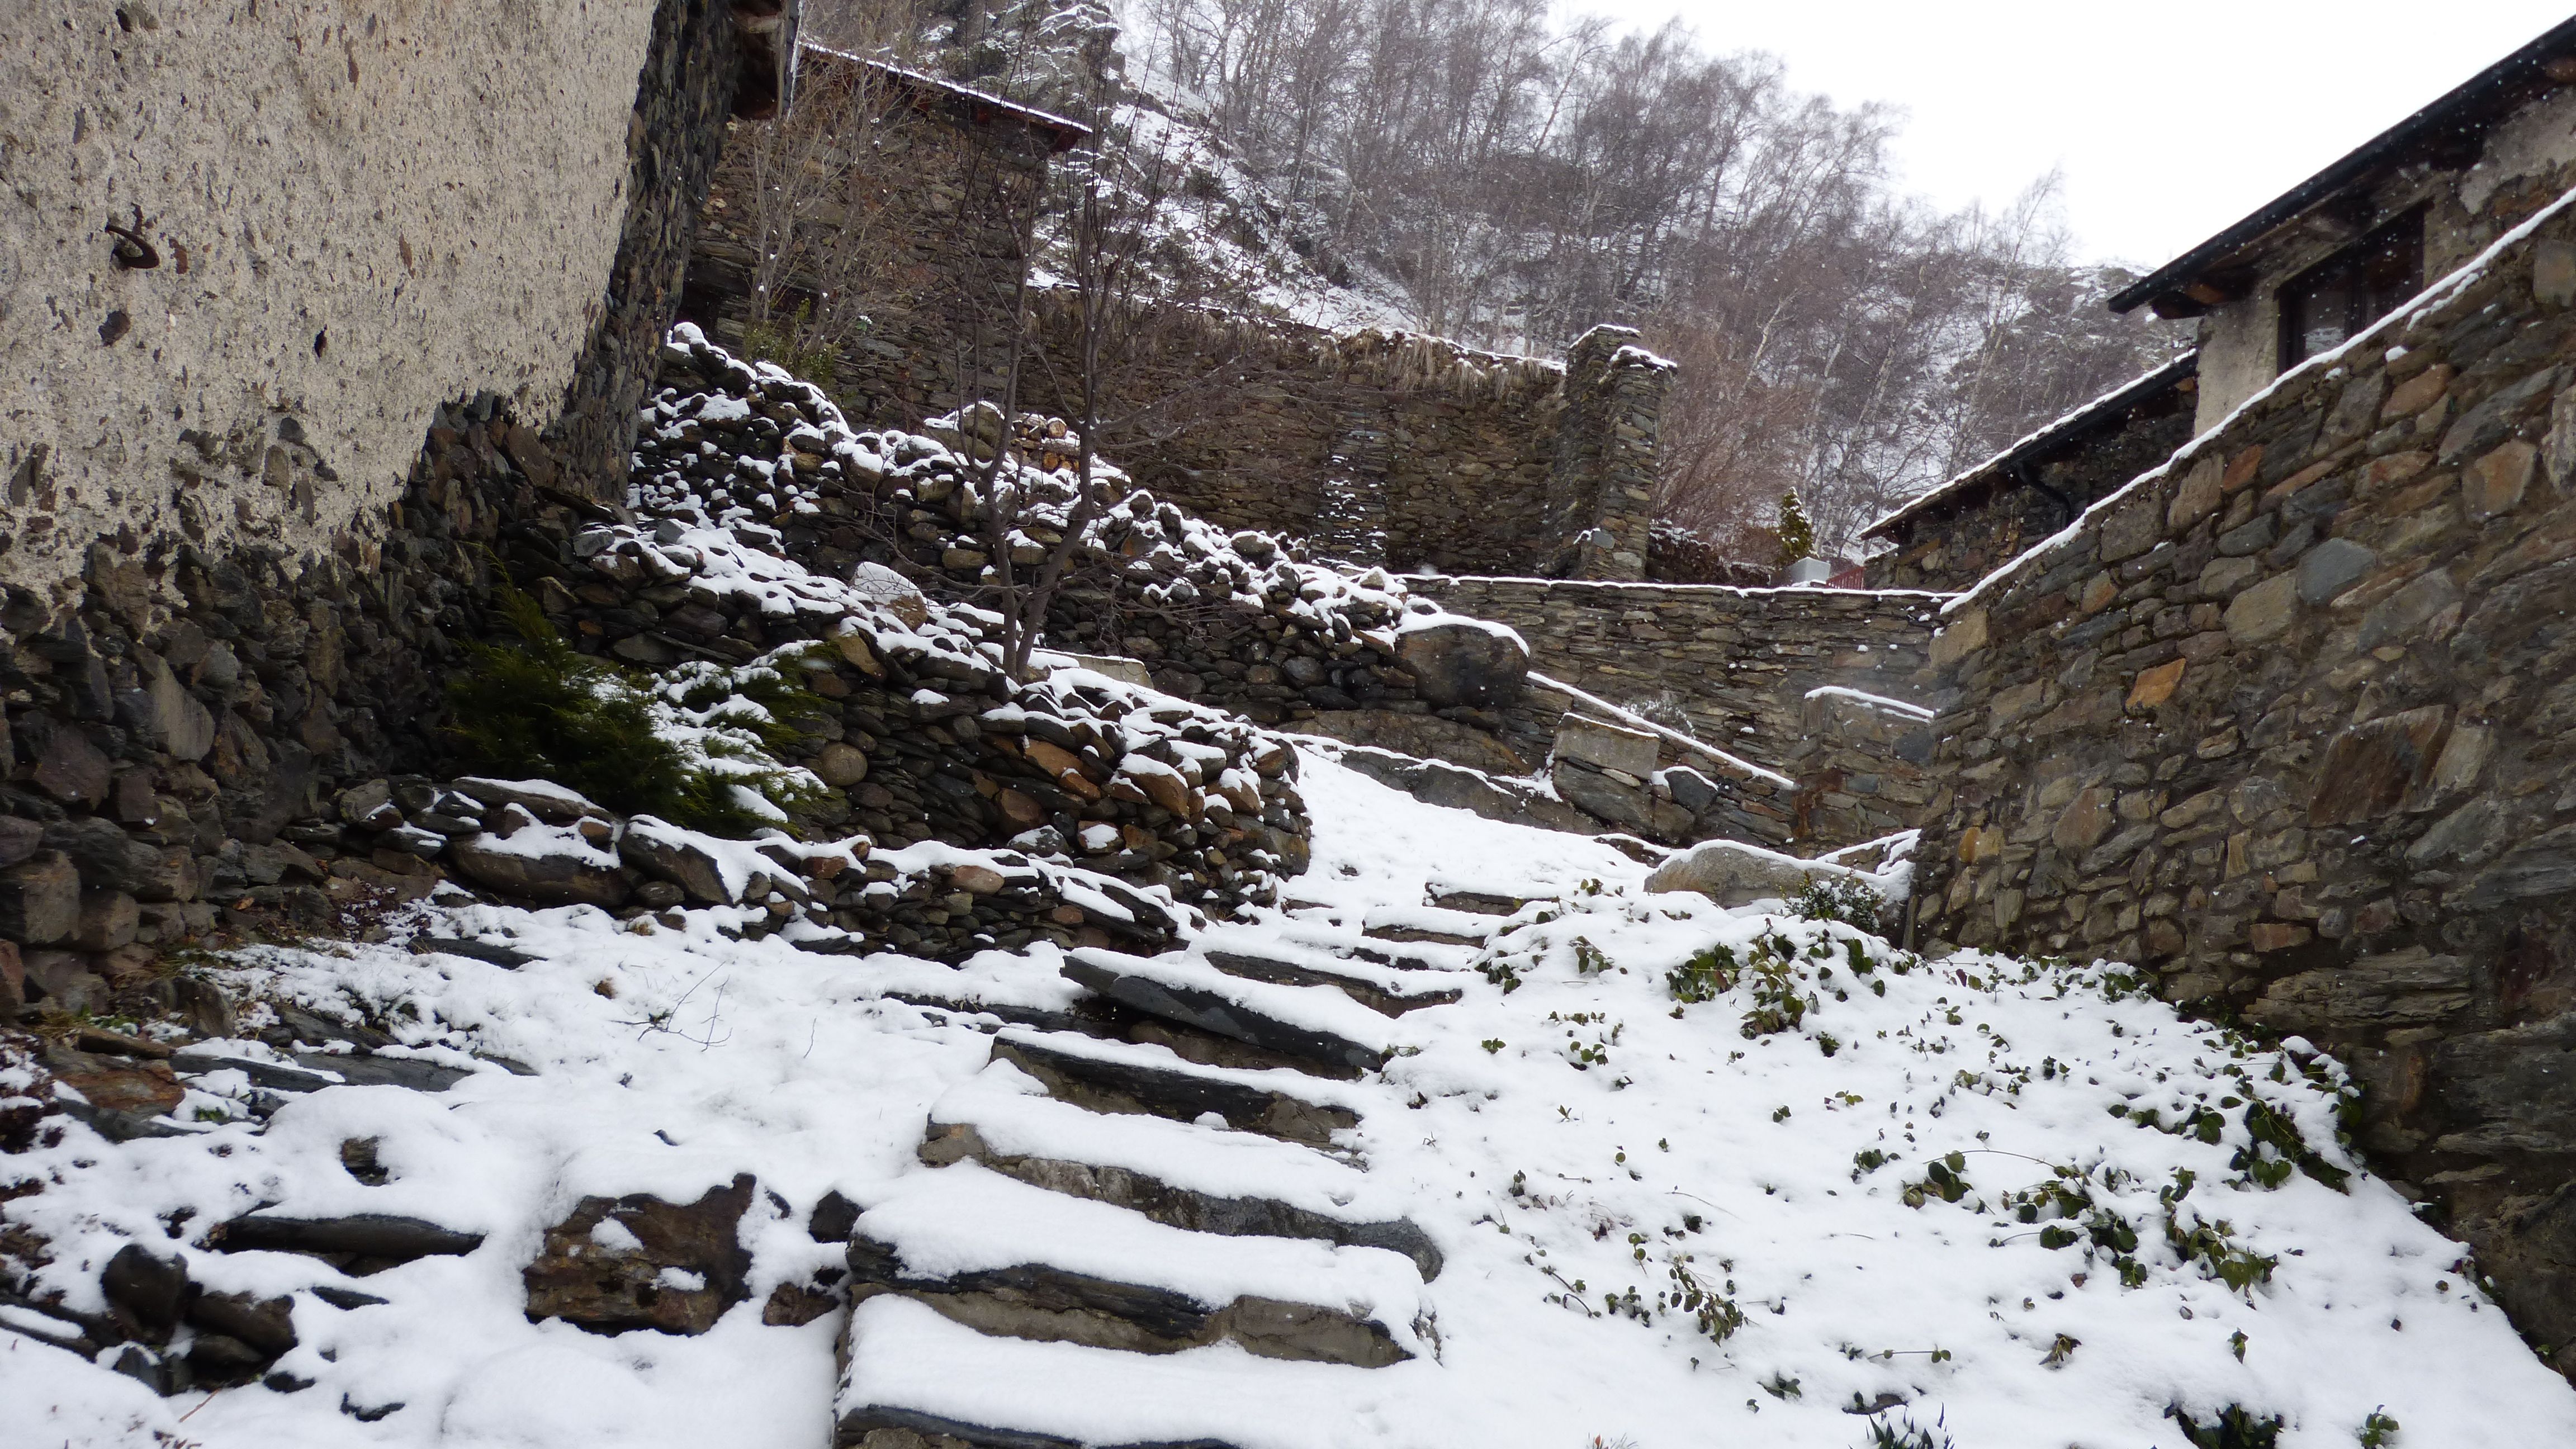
{"points": [[348, 219], [1373, 447], [2287, 722], [1964, 539], [1734, 664]]}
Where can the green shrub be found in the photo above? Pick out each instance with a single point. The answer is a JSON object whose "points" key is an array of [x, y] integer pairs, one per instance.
{"points": [[781, 340], [1838, 898], [536, 708]]}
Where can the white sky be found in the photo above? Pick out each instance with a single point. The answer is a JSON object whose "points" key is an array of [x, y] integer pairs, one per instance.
{"points": [[2170, 121]]}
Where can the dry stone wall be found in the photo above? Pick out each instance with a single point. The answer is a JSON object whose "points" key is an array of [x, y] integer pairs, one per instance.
{"points": [[1372, 447], [1735, 664], [339, 220], [2288, 722]]}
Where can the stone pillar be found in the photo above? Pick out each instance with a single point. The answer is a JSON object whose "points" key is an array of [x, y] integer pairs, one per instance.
{"points": [[1602, 487]]}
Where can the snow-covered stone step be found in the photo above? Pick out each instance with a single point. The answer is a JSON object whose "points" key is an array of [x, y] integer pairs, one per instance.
{"points": [[1154, 1081], [1316, 1028], [1385, 990], [915, 1380], [1426, 923], [1339, 935], [1008, 1258], [1482, 898], [1204, 1178]]}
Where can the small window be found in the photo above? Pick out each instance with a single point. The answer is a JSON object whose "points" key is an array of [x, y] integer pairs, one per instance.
{"points": [[2328, 303]]}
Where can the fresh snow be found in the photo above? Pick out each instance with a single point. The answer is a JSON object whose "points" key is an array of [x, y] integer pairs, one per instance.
{"points": [[1570, 1135]]}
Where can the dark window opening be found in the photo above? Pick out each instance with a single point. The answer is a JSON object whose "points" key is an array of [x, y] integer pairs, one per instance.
{"points": [[2324, 306]]}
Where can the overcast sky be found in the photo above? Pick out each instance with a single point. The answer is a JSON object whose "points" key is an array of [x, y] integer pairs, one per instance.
{"points": [[2169, 121]]}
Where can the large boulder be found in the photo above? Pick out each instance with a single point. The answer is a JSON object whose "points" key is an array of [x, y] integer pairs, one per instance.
{"points": [[544, 864], [1459, 661], [1735, 874]]}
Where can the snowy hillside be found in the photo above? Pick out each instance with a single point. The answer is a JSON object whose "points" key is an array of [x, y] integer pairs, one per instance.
{"points": [[1601, 1166]]}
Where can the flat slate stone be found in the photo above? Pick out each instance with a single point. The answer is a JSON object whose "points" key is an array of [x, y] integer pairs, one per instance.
{"points": [[1106, 1084], [1209, 1011], [1376, 997]]}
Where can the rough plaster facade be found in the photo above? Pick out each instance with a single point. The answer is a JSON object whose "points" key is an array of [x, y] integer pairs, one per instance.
{"points": [[358, 212], [2288, 722]]}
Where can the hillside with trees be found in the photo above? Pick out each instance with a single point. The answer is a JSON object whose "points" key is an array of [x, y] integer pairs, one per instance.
{"points": [[1496, 173]]}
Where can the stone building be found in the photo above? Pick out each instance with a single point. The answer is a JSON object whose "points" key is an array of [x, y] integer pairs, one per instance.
{"points": [[1373, 447], [2285, 721], [2346, 246], [938, 183], [256, 251], [325, 321], [1975, 523]]}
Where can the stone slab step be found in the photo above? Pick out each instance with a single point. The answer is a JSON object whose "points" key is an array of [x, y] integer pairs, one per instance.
{"points": [[1346, 941], [1381, 989], [1121, 1077], [1426, 923], [1317, 1028], [1478, 900], [915, 1380], [1206, 1179], [1419, 955], [1008, 1258]]}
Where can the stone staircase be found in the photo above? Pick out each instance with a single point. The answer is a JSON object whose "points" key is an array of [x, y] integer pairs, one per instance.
{"points": [[1170, 1170]]}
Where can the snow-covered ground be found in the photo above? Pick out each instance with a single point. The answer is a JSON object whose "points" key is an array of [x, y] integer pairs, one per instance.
{"points": [[2003, 1200]]}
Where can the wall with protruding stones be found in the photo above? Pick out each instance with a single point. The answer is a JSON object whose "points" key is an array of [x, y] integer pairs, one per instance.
{"points": [[351, 219], [2288, 722], [1734, 664]]}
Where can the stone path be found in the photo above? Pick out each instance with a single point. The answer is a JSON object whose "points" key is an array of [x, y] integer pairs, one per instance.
{"points": [[1166, 1174]]}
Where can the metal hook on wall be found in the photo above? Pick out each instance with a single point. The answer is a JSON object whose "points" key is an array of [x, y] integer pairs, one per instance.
{"points": [[132, 253]]}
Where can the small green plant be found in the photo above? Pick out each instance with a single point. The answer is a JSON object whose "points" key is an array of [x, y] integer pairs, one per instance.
{"points": [[2213, 1246], [2234, 1427], [1713, 1313], [1838, 898], [1944, 1177], [1778, 1004], [1705, 976], [1906, 1434], [781, 340], [2274, 1129], [1589, 959], [1797, 535], [2378, 1431]]}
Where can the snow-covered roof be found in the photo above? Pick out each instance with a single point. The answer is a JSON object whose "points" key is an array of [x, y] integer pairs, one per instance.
{"points": [[2102, 412], [1062, 132]]}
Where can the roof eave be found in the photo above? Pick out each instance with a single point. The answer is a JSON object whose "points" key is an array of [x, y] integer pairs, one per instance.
{"points": [[2496, 82]]}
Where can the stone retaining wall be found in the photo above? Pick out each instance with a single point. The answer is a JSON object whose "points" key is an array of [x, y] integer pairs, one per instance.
{"points": [[1735, 664], [2287, 721], [1373, 447]]}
